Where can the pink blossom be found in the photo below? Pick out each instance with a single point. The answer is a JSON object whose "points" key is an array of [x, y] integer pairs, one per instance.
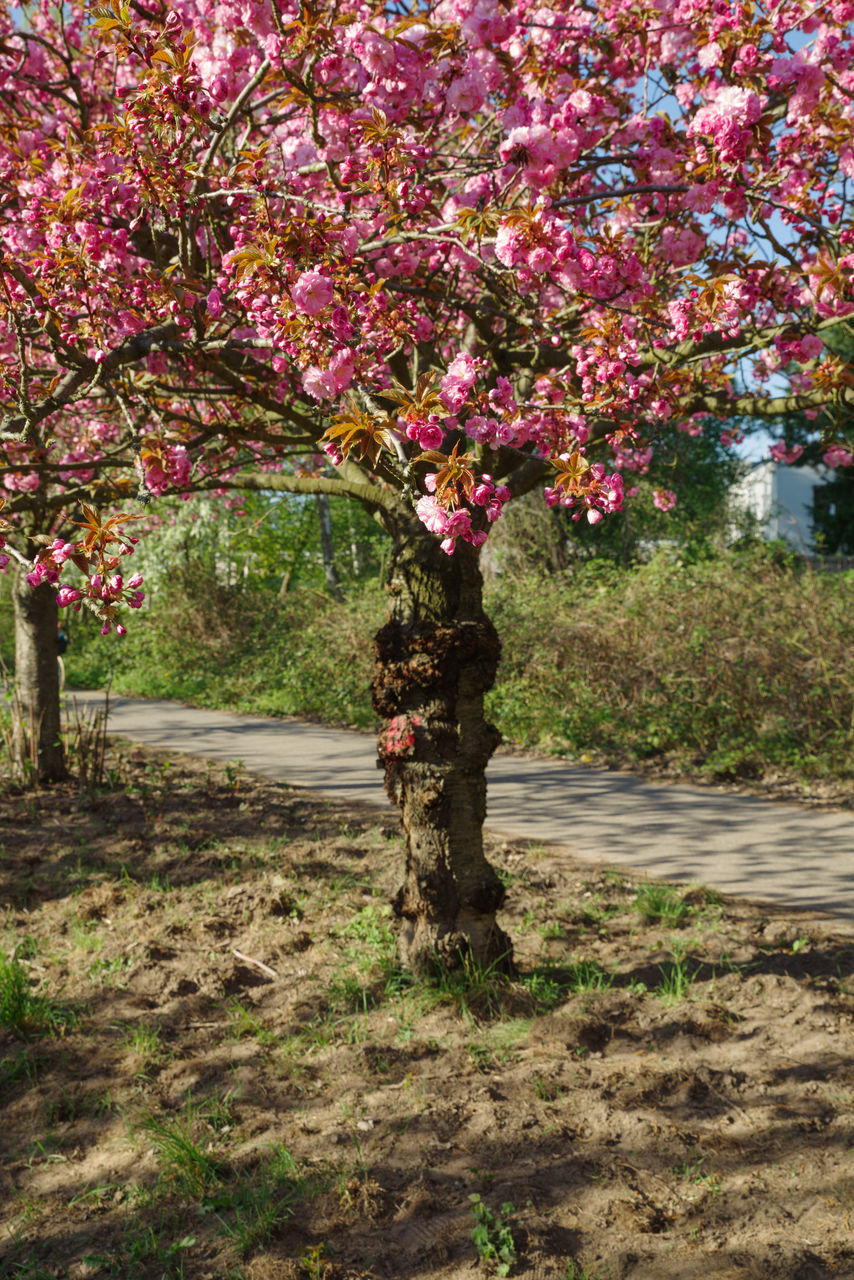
{"points": [[780, 452], [540, 260], [431, 515], [836, 456], [710, 55], [218, 88], [341, 368], [318, 383], [312, 292], [664, 499], [457, 382], [428, 434], [509, 245]]}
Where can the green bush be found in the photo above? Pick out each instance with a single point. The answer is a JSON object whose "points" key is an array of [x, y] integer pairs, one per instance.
{"points": [[239, 648], [734, 666]]}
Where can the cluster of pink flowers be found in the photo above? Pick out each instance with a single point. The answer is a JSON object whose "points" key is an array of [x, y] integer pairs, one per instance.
{"points": [[322, 384], [595, 494], [544, 246], [454, 523], [75, 464], [50, 561], [312, 292], [781, 452], [170, 469], [21, 481], [837, 456], [632, 459], [458, 381], [727, 120], [105, 588]]}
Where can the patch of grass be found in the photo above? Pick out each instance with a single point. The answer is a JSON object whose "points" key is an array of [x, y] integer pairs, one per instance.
{"points": [[372, 930], [32, 1270], [473, 991], [578, 976], [186, 1160], [575, 1270], [493, 1235], [594, 911], [698, 1170], [261, 1200], [546, 992], [547, 1090], [17, 1070], [146, 1042], [676, 980], [110, 973], [24, 1010], [660, 904], [146, 1252]]}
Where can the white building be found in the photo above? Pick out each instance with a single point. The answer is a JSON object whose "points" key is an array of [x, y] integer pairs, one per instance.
{"points": [[780, 499]]}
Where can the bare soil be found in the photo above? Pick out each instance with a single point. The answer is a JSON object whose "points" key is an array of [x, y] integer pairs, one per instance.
{"points": [[230, 1078]]}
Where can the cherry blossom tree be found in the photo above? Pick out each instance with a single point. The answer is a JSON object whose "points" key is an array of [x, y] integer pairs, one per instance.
{"points": [[463, 249]]}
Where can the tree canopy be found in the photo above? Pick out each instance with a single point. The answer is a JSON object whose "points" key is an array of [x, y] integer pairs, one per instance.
{"points": [[463, 249]]}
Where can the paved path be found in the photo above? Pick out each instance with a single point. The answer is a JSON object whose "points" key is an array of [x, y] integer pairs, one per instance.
{"points": [[779, 853]]}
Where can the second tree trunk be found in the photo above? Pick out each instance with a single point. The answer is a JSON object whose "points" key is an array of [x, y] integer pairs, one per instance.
{"points": [[36, 737]]}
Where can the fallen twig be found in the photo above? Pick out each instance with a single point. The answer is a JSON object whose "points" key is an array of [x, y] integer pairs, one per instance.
{"points": [[265, 968]]}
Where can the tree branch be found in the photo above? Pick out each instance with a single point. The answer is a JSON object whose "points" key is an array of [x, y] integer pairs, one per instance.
{"points": [[371, 496]]}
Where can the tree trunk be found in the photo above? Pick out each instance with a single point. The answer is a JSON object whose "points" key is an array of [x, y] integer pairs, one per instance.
{"points": [[435, 659], [36, 681], [327, 547]]}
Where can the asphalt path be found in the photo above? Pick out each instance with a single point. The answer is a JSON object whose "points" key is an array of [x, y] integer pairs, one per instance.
{"points": [[783, 854]]}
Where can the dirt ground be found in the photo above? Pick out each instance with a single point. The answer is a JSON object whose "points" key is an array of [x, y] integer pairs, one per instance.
{"points": [[211, 1067]]}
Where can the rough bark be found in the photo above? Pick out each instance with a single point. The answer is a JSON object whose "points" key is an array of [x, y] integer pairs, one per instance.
{"points": [[435, 658], [36, 681]]}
